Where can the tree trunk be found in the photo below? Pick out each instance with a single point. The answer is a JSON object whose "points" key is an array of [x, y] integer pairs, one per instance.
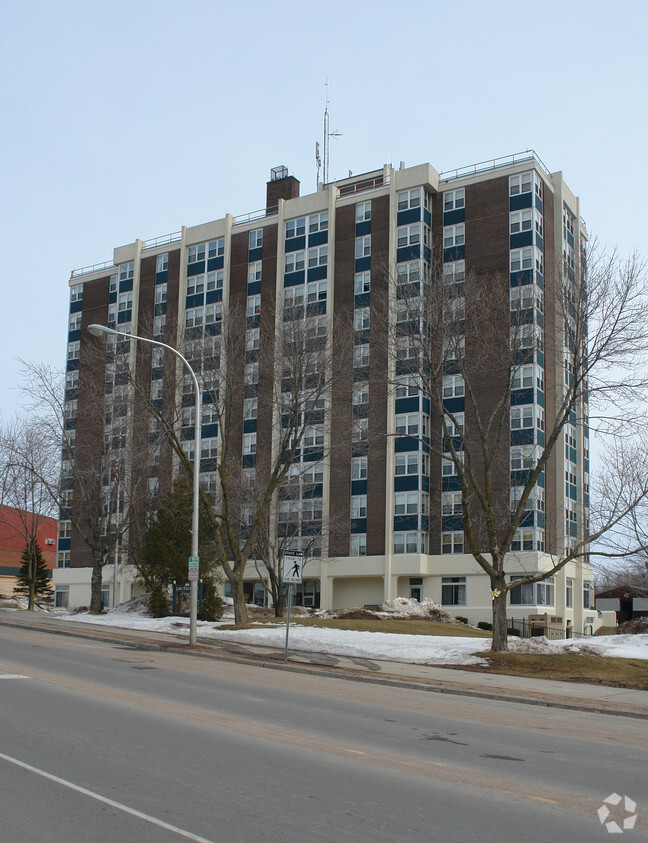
{"points": [[31, 600], [238, 596], [95, 586], [500, 634]]}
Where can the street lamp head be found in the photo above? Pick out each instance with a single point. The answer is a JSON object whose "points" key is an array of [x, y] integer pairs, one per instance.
{"points": [[100, 330]]}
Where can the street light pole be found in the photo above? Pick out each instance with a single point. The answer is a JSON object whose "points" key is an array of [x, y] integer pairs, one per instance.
{"points": [[103, 330]]}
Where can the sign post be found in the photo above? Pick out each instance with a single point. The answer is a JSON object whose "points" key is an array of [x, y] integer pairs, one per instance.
{"points": [[293, 565]]}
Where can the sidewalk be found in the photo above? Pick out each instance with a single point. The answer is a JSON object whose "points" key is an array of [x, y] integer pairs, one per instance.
{"points": [[544, 692]]}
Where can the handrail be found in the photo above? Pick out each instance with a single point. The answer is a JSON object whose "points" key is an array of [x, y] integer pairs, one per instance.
{"points": [[87, 270], [494, 164], [241, 219], [163, 240]]}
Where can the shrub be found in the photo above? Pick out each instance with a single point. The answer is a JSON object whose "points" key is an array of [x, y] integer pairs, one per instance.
{"points": [[159, 603], [461, 618], [211, 607], [484, 625]]}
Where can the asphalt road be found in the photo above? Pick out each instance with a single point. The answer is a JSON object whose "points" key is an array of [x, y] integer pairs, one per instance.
{"points": [[105, 743]]}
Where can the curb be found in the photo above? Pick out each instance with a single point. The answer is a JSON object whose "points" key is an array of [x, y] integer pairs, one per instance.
{"points": [[333, 673]]}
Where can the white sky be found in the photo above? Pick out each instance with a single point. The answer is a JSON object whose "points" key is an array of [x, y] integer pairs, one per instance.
{"points": [[129, 119]]}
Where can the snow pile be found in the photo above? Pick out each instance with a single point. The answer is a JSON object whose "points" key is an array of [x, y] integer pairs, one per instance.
{"points": [[636, 625], [138, 604], [403, 607], [612, 646]]}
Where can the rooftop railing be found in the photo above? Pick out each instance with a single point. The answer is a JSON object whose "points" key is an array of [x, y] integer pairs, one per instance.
{"points": [[241, 219], [495, 164], [87, 270], [165, 240]]}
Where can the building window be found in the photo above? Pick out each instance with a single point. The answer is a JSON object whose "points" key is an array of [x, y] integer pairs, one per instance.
{"points": [[162, 262], [213, 313], [406, 503], [74, 349], [362, 283], [295, 228], [61, 596], [453, 591], [408, 425], [318, 222], [451, 503], [360, 393], [256, 238], [569, 593], [454, 199], [523, 457], [406, 542], [588, 595], [294, 261], [409, 199], [363, 246], [360, 430], [358, 544], [361, 356], [520, 183], [449, 466], [209, 448], [361, 319], [317, 256], [453, 386], [254, 272], [545, 592], [65, 529], [252, 339], [251, 373], [250, 408], [520, 221], [359, 468], [521, 259], [522, 417], [316, 291], [408, 272], [216, 248], [452, 543], [75, 322], [254, 305], [409, 235], [363, 211], [63, 559], [160, 294], [76, 293], [72, 380], [454, 235], [125, 301], [249, 443], [406, 464], [126, 271], [196, 253], [359, 506]]}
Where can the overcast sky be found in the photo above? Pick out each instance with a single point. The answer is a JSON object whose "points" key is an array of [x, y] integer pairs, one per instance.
{"points": [[130, 119]]}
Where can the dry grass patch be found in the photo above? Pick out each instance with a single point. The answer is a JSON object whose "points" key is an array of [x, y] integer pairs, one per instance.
{"points": [[400, 626], [596, 670]]}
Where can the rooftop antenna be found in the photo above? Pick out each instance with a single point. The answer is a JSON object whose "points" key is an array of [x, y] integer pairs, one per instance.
{"points": [[318, 161], [327, 134]]}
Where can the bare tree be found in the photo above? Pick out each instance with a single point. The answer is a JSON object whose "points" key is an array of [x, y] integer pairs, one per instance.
{"points": [[100, 488], [469, 336], [275, 368], [28, 468]]}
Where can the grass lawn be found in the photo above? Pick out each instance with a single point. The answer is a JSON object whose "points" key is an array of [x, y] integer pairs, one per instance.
{"points": [[402, 626], [596, 670]]}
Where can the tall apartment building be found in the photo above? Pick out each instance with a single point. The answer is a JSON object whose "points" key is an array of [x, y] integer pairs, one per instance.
{"points": [[342, 251]]}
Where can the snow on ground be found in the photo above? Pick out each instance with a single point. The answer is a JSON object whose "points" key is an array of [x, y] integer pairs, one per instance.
{"points": [[415, 649]]}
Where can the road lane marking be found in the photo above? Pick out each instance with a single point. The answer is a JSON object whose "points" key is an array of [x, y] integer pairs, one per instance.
{"points": [[119, 805]]}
